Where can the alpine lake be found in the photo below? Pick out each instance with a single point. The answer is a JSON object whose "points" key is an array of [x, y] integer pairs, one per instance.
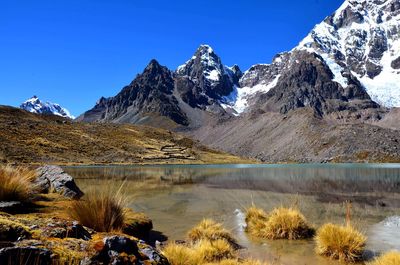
{"points": [[177, 197]]}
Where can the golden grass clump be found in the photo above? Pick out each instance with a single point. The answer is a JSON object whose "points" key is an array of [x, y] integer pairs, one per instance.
{"points": [[281, 223], [16, 183], [208, 229], [256, 220], [201, 252], [340, 242], [101, 209], [180, 255], [390, 258], [215, 250], [210, 244]]}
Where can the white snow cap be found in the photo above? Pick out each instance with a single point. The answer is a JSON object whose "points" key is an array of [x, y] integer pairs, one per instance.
{"points": [[34, 105]]}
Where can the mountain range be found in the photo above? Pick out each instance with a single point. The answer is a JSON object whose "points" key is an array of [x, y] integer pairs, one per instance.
{"points": [[331, 98]]}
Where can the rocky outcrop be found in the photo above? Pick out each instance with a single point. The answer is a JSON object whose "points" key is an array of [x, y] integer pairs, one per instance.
{"points": [[54, 178], [308, 82], [396, 63], [150, 94]]}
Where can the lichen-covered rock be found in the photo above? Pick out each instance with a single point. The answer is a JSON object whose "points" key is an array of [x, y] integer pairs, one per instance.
{"points": [[12, 230], [55, 178], [66, 229], [124, 250]]}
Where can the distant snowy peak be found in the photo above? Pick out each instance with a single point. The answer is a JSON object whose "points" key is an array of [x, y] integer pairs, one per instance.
{"points": [[362, 38], [35, 105]]}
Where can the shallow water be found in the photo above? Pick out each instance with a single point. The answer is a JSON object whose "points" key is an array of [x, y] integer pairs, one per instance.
{"points": [[178, 197]]}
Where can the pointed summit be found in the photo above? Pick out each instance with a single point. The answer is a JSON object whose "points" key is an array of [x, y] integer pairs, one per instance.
{"points": [[209, 75]]}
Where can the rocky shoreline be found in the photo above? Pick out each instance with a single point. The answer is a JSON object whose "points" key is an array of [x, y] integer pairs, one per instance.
{"points": [[41, 232]]}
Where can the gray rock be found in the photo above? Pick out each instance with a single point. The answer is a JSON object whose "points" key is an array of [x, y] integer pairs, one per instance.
{"points": [[396, 63], [138, 251], [55, 178]]}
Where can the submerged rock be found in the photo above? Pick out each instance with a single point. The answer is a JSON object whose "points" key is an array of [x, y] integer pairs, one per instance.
{"points": [[55, 178]]}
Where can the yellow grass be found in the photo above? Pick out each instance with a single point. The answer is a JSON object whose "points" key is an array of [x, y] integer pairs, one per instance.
{"points": [[281, 223], [340, 242], [390, 258], [256, 220], [216, 250], [201, 252], [16, 183], [180, 255], [208, 229], [101, 209]]}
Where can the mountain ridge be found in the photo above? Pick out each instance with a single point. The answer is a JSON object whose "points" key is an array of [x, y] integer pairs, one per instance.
{"points": [[334, 75]]}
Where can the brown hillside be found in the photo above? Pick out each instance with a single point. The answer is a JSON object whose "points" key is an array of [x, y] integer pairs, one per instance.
{"points": [[34, 139]]}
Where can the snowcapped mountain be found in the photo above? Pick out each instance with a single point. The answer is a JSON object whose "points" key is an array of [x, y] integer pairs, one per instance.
{"points": [[362, 37], [348, 62], [360, 43], [35, 105], [209, 81]]}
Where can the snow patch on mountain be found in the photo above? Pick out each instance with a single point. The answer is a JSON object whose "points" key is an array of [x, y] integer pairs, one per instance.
{"points": [[362, 37], [239, 99], [35, 105]]}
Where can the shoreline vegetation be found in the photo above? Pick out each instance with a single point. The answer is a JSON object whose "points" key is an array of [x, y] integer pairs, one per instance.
{"points": [[45, 226]]}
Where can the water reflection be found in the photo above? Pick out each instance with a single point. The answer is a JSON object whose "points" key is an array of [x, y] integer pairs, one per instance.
{"points": [[178, 197]]}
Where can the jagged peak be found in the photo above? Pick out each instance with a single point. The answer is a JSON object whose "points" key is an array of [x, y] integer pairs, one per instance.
{"points": [[205, 48]]}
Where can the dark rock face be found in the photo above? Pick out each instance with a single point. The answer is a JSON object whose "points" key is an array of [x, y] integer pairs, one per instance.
{"points": [[25, 255], [396, 63], [204, 77], [308, 82], [54, 177], [150, 93]]}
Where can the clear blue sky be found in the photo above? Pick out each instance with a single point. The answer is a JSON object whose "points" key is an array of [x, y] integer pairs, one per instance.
{"points": [[74, 51]]}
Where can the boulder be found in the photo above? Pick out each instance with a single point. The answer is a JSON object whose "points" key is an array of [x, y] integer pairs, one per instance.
{"points": [[118, 249], [55, 178]]}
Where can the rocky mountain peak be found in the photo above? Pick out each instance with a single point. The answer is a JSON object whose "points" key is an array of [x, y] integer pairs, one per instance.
{"points": [[35, 105], [362, 37], [204, 80]]}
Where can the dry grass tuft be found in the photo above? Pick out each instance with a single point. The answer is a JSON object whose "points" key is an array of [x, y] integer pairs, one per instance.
{"points": [[390, 258], [256, 220], [181, 255], [210, 230], [102, 209], [281, 223], [16, 183], [209, 251], [210, 244], [340, 242]]}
